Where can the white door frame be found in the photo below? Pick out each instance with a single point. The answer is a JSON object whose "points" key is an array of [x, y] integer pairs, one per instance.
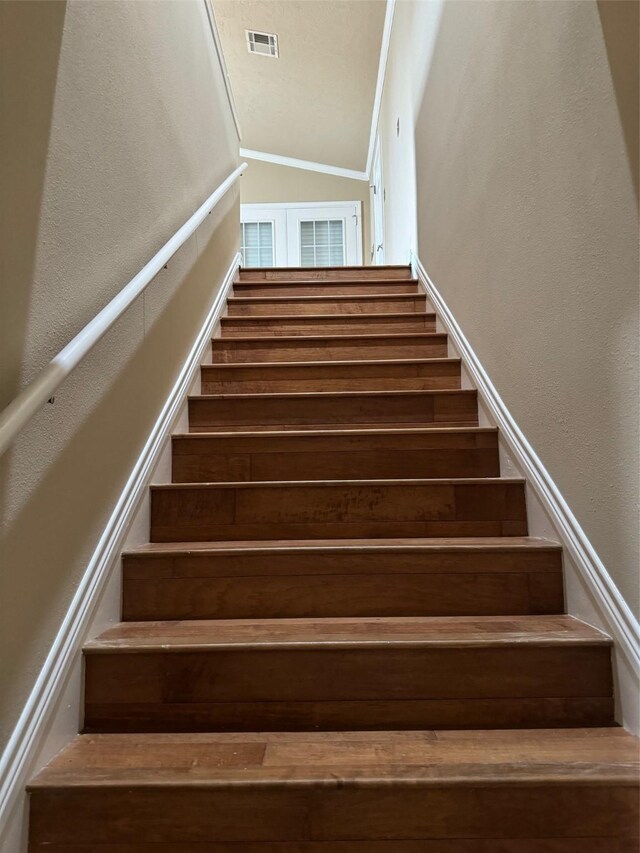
{"points": [[377, 204], [284, 214]]}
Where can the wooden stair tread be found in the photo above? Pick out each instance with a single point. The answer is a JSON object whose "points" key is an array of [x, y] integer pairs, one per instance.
{"points": [[311, 300], [365, 303], [345, 282], [345, 286], [336, 433], [337, 759], [444, 544], [283, 339], [307, 318], [380, 632], [298, 395], [339, 375], [319, 484], [320, 365]]}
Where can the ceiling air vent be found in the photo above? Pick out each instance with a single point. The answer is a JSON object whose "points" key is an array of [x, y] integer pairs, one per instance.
{"points": [[266, 44]]}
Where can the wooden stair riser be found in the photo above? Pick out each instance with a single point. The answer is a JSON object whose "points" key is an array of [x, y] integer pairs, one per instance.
{"points": [[380, 819], [333, 411], [328, 288], [312, 583], [413, 375], [185, 513], [427, 454], [328, 274], [355, 348], [304, 595], [392, 687], [264, 306], [329, 324]]}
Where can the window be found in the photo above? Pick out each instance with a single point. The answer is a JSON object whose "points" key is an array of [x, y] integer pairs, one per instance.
{"points": [[327, 233], [256, 244], [322, 243]]}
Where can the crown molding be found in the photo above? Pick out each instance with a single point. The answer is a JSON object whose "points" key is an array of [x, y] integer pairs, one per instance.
{"points": [[308, 165]]}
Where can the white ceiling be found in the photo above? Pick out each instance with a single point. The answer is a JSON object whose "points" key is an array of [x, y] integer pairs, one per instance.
{"points": [[315, 101]]}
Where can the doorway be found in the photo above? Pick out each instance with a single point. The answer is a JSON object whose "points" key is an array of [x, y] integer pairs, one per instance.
{"points": [[304, 234]]}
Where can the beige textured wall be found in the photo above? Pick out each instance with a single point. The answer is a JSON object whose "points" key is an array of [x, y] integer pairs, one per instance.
{"points": [[269, 182], [115, 128], [526, 118]]}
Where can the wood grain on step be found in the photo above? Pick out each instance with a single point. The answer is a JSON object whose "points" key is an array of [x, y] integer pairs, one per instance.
{"points": [[335, 509], [299, 305], [327, 324], [485, 554], [340, 689], [413, 374], [337, 410], [263, 580], [444, 545], [306, 594], [351, 633], [333, 715], [183, 815], [382, 272], [503, 757], [334, 455], [457, 792], [325, 288], [271, 583], [321, 348]]}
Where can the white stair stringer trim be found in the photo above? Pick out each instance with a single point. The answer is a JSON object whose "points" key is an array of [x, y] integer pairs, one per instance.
{"points": [[25, 752], [621, 623]]}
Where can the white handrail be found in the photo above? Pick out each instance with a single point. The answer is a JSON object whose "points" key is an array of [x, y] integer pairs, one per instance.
{"points": [[21, 409]]}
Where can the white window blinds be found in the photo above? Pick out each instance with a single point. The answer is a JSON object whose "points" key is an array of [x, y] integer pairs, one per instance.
{"points": [[257, 244], [322, 243]]}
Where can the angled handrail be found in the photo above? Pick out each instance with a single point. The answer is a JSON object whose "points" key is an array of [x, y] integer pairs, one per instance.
{"points": [[22, 408]]}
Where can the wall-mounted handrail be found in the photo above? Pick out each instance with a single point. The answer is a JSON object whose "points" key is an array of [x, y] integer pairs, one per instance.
{"points": [[22, 408]]}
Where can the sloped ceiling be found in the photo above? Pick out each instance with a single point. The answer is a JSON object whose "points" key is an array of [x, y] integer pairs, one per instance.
{"points": [[315, 101]]}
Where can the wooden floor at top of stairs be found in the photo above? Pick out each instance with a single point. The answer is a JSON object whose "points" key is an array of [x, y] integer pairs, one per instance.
{"points": [[383, 271]]}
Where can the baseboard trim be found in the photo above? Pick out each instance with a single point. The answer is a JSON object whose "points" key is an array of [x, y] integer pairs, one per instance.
{"points": [[16, 764], [622, 624]]}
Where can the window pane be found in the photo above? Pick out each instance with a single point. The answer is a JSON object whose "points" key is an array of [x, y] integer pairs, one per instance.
{"points": [[322, 242], [257, 244]]}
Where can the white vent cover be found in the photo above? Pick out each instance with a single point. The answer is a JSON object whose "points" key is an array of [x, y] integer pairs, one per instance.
{"points": [[266, 44]]}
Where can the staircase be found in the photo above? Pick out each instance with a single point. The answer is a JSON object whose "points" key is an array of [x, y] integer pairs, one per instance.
{"points": [[341, 638]]}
